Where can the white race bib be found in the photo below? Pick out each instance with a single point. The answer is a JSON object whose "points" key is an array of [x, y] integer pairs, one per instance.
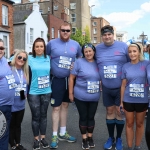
{"points": [[11, 81], [43, 82], [110, 71], [18, 88], [64, 62], [93, 86]]}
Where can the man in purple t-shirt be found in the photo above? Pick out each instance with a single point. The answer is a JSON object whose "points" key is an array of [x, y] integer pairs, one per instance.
{"points": [[63, 52], [111, 55]]}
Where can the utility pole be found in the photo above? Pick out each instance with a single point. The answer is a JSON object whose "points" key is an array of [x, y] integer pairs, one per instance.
{"points": [[142, 36]]}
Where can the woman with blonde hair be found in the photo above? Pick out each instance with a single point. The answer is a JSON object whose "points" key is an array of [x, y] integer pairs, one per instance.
{"points": [[19, 67], [134, 95]]}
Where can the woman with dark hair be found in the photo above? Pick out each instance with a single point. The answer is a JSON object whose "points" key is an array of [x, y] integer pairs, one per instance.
{"points": [[86, 92], [39, 91]]}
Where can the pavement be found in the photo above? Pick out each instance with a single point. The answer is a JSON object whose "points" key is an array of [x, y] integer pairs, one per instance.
{"points": [[100, 134]]}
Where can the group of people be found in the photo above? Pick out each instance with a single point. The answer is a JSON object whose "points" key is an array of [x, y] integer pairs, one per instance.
{"points": [[63, 72]]}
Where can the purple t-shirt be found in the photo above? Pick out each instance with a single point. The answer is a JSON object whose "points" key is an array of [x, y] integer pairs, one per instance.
{"points": [[110, 60], [18, 103], [7, 83], [87, 86], [62, 55], [136, 90], [148, 77]]}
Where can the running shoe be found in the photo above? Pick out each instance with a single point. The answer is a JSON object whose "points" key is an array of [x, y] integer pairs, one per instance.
{"points": [[67, 138], [44, 143], [91, 142], [36, 145], [54, 142], [85, 144], [109, 143], [119, 145]]}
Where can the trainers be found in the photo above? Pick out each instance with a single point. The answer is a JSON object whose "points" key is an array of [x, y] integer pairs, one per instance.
{"points": [[54, 143], [109, 143], [36, 145], [44, 143], [85, 144], [67, 137], [20, 147], [14, 148], [119, 145], [137, 148], [91, 142]]}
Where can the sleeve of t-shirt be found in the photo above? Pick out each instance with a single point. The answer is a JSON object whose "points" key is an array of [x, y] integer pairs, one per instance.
{"points": [[48, 49], [123, 75], [79, 53], [148, 73], [75, 69]]}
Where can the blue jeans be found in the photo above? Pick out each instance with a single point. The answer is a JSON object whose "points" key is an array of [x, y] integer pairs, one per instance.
{"points": [[6, 110]]}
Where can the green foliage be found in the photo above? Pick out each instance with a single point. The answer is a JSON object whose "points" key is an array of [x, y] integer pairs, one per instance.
{"points": [[81, 39]]}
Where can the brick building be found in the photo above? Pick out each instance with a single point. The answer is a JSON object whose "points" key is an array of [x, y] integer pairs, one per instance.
{"points": [[6, 25]]}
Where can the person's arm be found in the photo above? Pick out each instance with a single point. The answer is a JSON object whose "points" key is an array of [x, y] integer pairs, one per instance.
{"points": [[71, 86], [123, 86]]}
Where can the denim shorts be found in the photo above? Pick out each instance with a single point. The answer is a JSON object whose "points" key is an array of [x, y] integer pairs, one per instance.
{"points": [[60, 92], [111, 97]]}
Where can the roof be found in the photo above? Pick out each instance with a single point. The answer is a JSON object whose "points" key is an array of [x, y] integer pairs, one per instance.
{"points": [[4, 30], [9, 1], [21, 15]]}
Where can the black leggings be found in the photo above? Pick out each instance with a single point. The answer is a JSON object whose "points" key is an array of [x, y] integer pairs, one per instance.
{"points": [[147, 131], [15, 127], [87, 112], [39, 106]]}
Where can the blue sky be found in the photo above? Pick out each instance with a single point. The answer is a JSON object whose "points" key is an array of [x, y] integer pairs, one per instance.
{"points": [[132, 16]]}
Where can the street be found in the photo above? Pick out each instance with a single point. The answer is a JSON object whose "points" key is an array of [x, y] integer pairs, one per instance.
{"points": [[100, 132]]}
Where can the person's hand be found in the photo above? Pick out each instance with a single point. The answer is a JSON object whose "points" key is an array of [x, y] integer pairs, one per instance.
{"points": [[121, 107], [71, 66], [71, 97]]}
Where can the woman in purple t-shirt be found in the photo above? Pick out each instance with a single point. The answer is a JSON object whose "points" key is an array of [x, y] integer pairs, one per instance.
{"points": [[134, 95], [85, 92]]}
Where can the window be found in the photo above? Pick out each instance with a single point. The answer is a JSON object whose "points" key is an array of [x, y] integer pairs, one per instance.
{"points": [[4, 15], [73, 17], [94, 23], [72, 5], [5, 45], [42, 34], [53, 31], [73, 30], [95, 39], [31, 35], [94, 31], [58, 34]]}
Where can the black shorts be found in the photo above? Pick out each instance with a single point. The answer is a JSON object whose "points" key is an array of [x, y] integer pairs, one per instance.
{"points": [[111, 97], [60, 92], [137, 107]]}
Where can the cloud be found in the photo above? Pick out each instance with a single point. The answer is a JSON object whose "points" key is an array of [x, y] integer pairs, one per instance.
{"points": [[125, 19]]}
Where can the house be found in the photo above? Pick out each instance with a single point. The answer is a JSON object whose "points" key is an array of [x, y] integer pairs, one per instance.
{"points": [[28, 25], [6, 25]]}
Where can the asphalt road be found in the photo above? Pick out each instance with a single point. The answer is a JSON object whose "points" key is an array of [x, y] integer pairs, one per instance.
{"points": [[100, 132]]}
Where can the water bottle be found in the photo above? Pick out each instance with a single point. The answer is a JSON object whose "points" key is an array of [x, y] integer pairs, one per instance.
{"points": [[122, 113]]}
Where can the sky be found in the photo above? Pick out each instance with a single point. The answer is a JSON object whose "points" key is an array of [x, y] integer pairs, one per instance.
{"points": [[132, 16]]}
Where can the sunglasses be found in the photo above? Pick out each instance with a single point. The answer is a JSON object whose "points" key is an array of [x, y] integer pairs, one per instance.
{"points": [[20, 57], [2, 48], [63, 30]]}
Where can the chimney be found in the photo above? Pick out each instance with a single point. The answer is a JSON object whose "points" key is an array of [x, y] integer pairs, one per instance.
{"points": [[63, 15], [36, 6]]}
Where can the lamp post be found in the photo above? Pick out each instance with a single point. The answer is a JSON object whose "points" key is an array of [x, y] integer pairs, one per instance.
{"points": [[91, 24]]}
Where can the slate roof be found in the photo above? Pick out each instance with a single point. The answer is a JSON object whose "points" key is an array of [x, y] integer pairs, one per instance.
{"points": [[21, 15]]}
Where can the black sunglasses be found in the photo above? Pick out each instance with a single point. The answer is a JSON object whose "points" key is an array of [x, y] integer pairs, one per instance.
{"points": [[2, 48], [20, 57], [63, 30]]}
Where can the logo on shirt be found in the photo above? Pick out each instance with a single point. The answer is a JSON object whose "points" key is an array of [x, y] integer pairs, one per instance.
{"points": [[117, 53], [72, 49], [3, 124]]}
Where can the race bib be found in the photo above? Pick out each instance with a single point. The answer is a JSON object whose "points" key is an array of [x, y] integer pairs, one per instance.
{"points": [[3, 124], [93, 86], [64, 62], [110, 71], [19, 88], [136, 90], [43, 82], [11, 81]]}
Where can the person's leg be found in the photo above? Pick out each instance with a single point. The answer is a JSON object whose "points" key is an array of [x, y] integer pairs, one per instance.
{"points": [[92, 107], [147, 130], [129, 127], [12, 130], [5, 112], [44, 100], [140, 116]]}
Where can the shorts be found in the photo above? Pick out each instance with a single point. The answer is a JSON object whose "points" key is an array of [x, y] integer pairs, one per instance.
{"points": [[137, 107], [111, 97], [60, 92]]}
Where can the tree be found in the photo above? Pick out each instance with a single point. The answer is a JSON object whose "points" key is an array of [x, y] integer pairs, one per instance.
{"points": [[87, 35]]}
